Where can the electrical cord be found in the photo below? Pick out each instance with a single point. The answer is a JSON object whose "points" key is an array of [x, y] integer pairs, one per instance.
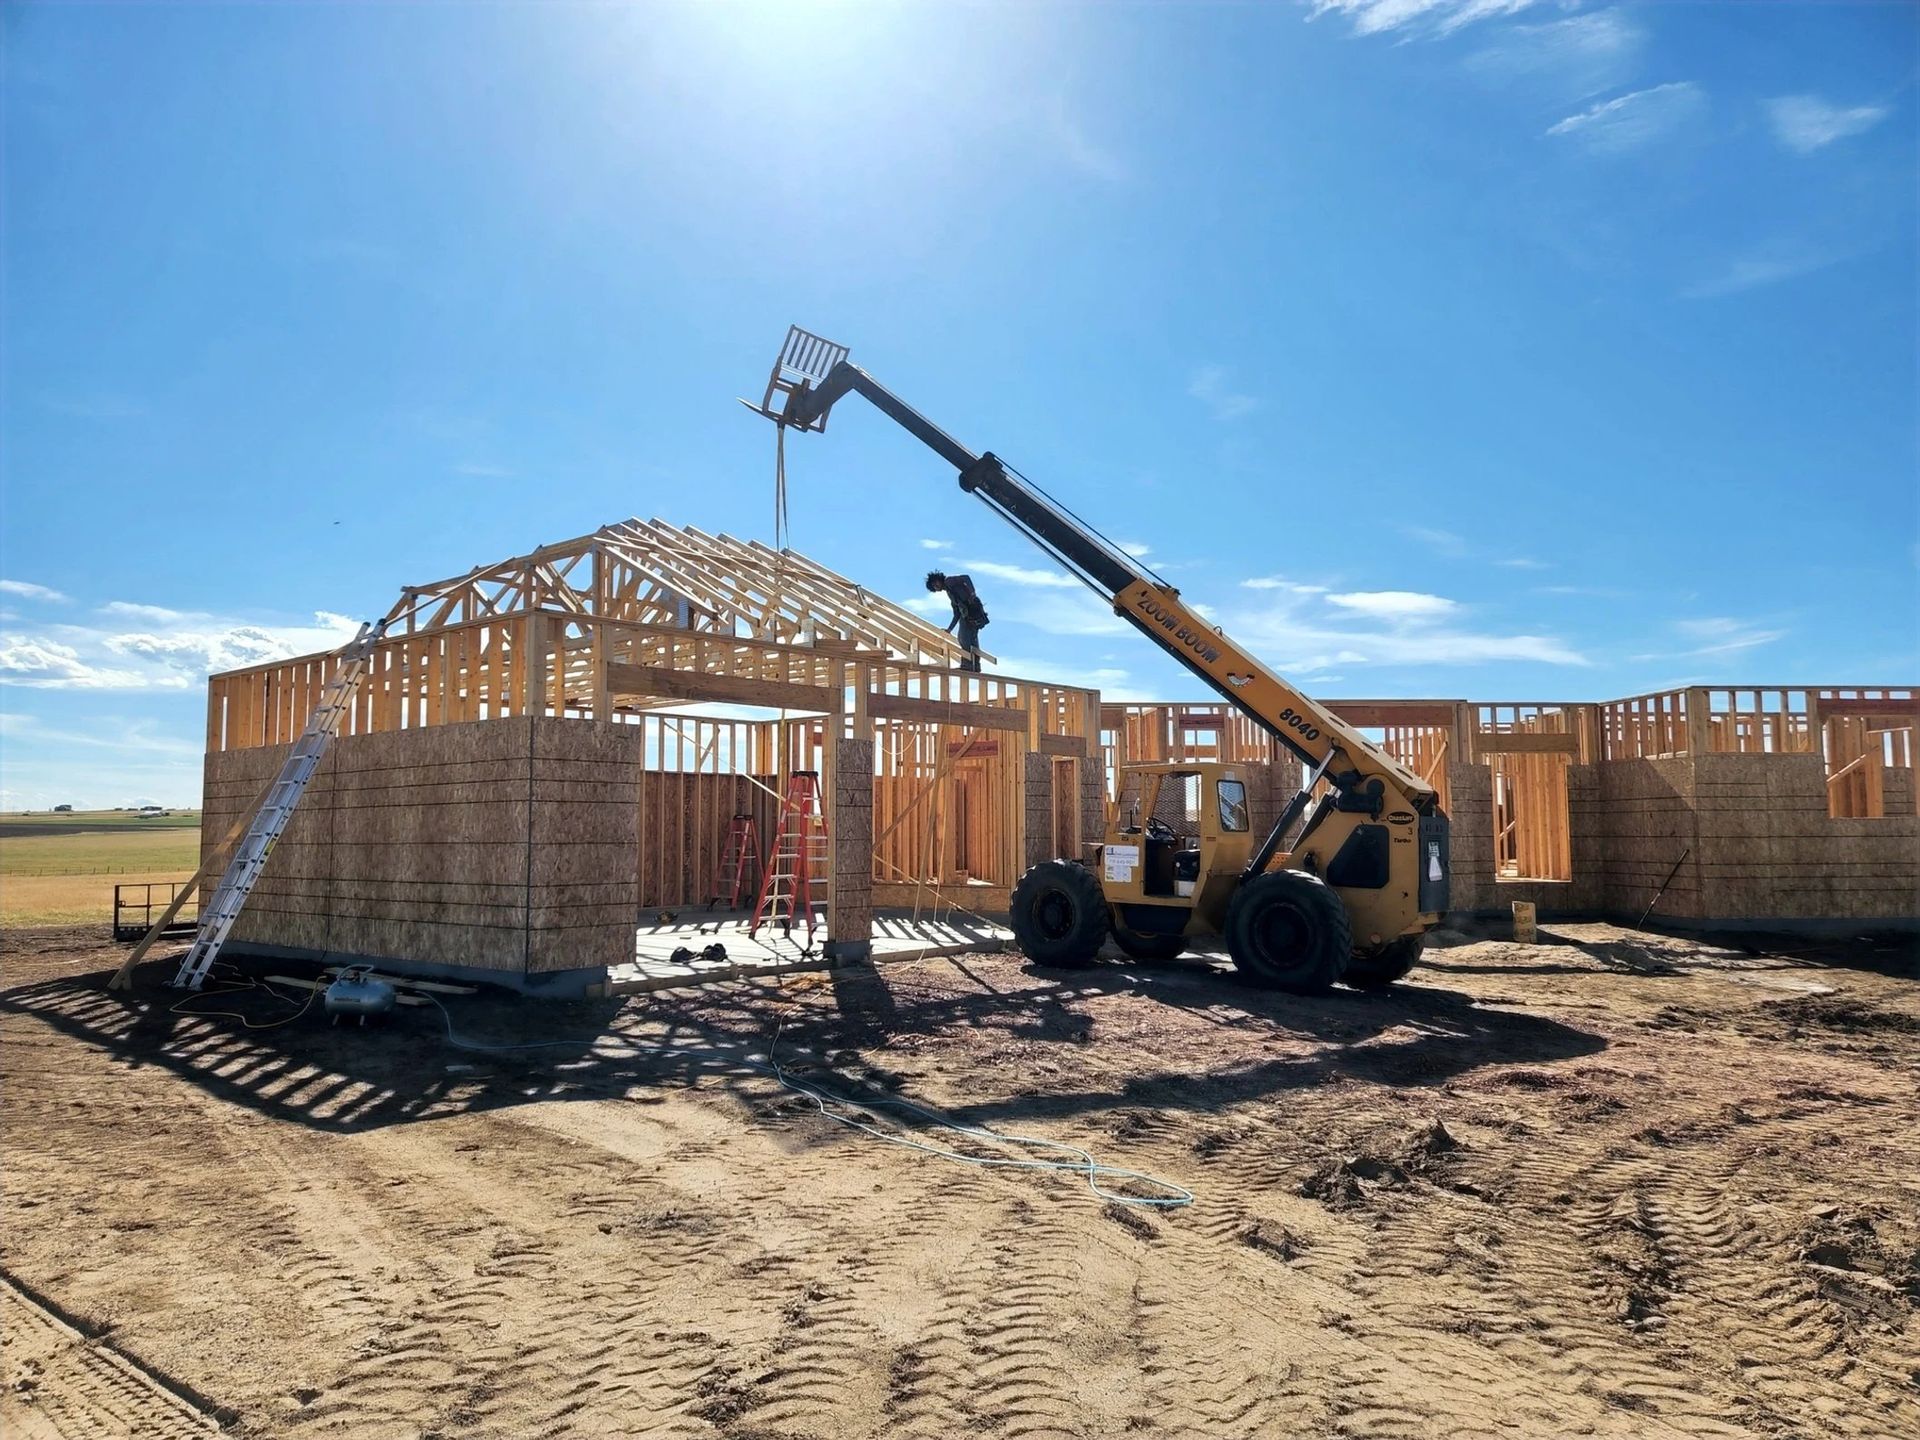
{"points": [[840, 1109], [836, 1107], [246, 983], [1086, 1165]]}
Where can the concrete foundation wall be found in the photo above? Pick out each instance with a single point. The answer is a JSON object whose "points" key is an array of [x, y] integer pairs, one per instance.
{"points": [[501, 848]]}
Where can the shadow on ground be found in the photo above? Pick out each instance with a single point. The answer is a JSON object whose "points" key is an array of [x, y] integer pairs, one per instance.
{"points": [[247, 1047]]}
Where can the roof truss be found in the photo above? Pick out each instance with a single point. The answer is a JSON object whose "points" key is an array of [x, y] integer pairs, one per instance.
{"points": [[653, 573]]}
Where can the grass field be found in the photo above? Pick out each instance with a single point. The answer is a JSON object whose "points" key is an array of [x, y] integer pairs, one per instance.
{"points": [[61, 869]]}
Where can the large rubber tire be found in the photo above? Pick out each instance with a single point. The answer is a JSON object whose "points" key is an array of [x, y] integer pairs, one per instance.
{"points": [[1148, 947], [1289, 930], [1379, 967], [1059, 914]]}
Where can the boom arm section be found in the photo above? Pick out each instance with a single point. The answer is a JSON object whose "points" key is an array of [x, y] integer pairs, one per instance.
{"points": [[1310, 732]]}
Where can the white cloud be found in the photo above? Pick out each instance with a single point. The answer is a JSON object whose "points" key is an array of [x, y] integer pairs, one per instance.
{"points": [[27, 590], [1578, 56], [1438, 17], [1023, 575], [134, 611], [1078, 614], [1315, 634], [43, 664], [1521, 562], [1806, 123], [1630, 122], [1715, 635], [936, 544], [1280, 582], [1134, 548], [174, 653], [1209, 387], [1443, 542], [1719, 634], [1113, 683], [1395, 604]]}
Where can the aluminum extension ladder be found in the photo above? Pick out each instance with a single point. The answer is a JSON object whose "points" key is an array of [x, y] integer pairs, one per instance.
{"points": [[230, 897]]}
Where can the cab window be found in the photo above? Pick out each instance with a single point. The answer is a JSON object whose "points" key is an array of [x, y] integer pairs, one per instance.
{"points": [[1233, 805]]}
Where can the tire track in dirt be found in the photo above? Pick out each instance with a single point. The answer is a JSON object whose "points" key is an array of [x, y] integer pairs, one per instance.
{"points": [[1666, 1275], [56, 1384]]}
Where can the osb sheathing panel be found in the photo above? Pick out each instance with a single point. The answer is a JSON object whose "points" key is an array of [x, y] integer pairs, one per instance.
{"points": [[583, 892], [410, 844], [1474, 883], [1768, 848], [1037, 807], [414, 844]]}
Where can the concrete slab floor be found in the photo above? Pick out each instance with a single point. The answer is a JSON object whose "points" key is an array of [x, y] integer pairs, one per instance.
{"points": [[897, 935]]}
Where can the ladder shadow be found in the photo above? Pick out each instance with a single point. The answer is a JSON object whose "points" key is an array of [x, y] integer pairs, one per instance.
{"points": [[347, 1078]]}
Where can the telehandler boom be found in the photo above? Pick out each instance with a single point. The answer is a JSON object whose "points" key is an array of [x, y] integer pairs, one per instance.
{"points": [[1366, 874]]}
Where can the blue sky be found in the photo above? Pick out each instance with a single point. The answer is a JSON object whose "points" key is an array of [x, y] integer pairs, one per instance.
{"points": [[1474, 348]]}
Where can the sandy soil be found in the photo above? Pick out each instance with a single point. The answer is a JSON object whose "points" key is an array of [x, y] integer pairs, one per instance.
{"points": [[1609, 1185]]}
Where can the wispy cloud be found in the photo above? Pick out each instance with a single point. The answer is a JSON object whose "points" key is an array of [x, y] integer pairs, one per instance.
{"points": [[1313, 634], [1209, 386], [936, 544], [1434, 17], [93, 407], [1280, 582], [1076, 613], [1134, 548], [1395, 604], [1023, 575], [1633, 121], [95, 761], [1715, 635], [1572, 58], [1806, 123], [1522, 562], [135, 611], [27, 590], [1113, 683], [1071, 142], [479, 470], [1751, 272], [1441, 542]]}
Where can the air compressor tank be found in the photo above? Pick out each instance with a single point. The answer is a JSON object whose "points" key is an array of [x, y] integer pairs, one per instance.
{"points": [[356, 992]]}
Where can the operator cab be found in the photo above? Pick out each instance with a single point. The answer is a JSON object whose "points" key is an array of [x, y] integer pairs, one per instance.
{"points": [[1189, 824]]}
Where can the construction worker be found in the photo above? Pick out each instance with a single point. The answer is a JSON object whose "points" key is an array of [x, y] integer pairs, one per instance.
{"points": [[968, 613]]}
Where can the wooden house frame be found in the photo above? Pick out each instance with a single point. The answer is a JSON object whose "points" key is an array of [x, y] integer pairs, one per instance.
{"points": [[737, 665]]}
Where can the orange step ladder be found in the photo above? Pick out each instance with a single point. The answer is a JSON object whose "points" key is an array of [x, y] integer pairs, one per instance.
{"points": [[741, 851], [799, 845]]}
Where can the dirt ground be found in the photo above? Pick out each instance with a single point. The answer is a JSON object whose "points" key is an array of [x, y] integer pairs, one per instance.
{"points": [[1613, 1184]]}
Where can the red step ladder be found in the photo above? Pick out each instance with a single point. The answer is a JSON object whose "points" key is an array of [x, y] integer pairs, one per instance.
{"points": [[799, 844], [740, 852]]}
